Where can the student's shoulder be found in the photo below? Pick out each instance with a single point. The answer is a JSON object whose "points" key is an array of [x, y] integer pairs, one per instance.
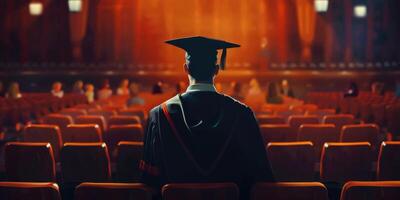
{"points": [[236, 104]]}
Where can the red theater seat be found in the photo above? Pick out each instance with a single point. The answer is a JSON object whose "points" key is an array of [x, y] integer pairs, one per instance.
{"points": [[123, 120], [389, 161], [339, 120], [321, 113], [292, 161], [278, 133], [209, 191], [134, 112], [114, 191], [29, 190], [371, 190], [295, 121], [62, 121], [342, 162], [45, 134], [270, 119], [360, 133], [318, 134], [118, 133], [29, 162], [92, 119], [73, 112], [85, 162], [82, 133], [289, 191], [128, 158], [105, 113]]}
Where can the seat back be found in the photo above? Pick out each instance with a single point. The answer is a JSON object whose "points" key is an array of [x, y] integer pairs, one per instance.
{"points": [[278, 133], [371, 190], [30, 162], [321, 113], [92, 119], [82, 133], [62, 121], [43, 133], [100, 112], [209, 191], [128, 159], [338, 120], [389, 161], [270, 119], [342, 162], [85, 162], [73, 112], [360, 133], [133, 112], [118, 133], [295, 121], [115, 191], [318, 134], [292, 191], [123, 120], [292, 161], [29, 190]]}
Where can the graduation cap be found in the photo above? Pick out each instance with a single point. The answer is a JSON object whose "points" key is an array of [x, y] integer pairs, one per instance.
{"points": [[203, 48]]}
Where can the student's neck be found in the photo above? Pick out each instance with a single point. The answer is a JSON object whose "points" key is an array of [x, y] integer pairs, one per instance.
{"points": [[194, 81]]}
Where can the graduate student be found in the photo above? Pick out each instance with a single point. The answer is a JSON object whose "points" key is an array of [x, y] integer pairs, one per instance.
{"points": [[202, 135]]}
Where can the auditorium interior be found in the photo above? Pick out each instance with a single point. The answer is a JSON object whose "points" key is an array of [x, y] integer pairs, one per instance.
{"points": [[78, 79]]}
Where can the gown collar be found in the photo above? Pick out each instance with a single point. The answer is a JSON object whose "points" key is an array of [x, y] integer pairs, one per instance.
{"points": [[201, 87]]}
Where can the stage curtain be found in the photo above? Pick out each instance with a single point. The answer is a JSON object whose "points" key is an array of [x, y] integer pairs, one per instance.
{"points": [[306, 17]]}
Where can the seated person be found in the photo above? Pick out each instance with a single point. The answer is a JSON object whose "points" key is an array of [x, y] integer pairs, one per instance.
{"points": [[78, 87], [123, 87], [134, 99], [273, 96], [105, 92], [286, 90], [57, 90], [157, 88], [206, 136], [89, 93], [13, 91], [352, 91]]}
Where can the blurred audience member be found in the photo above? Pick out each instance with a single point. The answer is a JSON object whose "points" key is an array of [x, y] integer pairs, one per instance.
{"points": [[89, 93], [13, 91], [123, 87], [78, 87], [237, 91], [255, 96], [377, 88], [105, 92], [286, 90], [273, 96], [134, 99], [157, 88], [397, 91], [352, 91], [57, 90]]}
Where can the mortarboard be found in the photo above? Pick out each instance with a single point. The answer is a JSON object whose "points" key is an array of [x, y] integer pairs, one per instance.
{"points": [[203, 47]]}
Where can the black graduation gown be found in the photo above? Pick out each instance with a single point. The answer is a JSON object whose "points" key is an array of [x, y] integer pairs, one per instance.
{"points": [[218, 140]]}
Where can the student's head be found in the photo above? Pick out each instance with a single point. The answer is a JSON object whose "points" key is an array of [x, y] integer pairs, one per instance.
{"points": [[201, 68], [57, 86], [13, 90]]}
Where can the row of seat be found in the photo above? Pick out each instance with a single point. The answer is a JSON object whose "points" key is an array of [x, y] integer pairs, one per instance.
{"points": [[319, 134], [76, 133], [79, 162], [339, 162], [353, 190]]}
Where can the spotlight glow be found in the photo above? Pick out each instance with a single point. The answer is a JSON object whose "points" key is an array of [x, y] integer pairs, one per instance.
{"points": [[321, 5], [360, 11], [75, 5], [35, 8]]}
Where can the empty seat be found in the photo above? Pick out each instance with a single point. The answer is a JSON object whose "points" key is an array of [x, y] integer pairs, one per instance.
{"points": [[62, 121], [318, 134], [85, 162], [73, 112], [278, 133], [133, 112], [292, 191], [30, 162], [123, 120], [115, 191], [270, 119], [295, 121], [118, 133], [389, 161], [129, 155], [100, 112], [371, 190], [209, 191], [44, 134], [360, 133], [292, 161], [321, 113], [29, 190], [92, 119], [342, 162], [339, 120], [82, 133]]}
